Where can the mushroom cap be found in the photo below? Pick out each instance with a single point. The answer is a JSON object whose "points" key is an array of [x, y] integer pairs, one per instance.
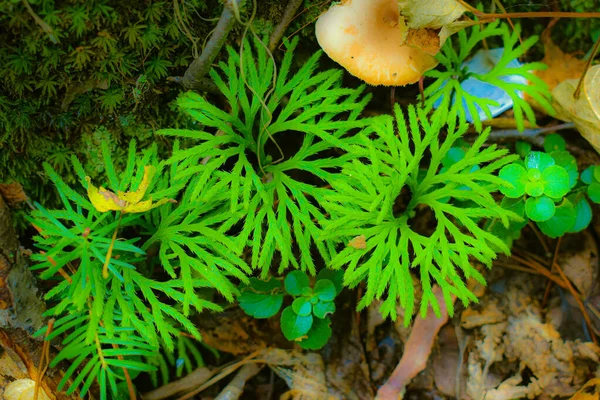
{"points": [[368, 38]]}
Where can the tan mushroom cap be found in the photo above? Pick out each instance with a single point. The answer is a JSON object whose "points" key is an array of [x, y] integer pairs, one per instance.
{"points": [[367, 37]]}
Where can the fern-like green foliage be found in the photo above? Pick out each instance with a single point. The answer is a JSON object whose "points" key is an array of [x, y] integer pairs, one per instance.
{"points": [[274, 194], [396, 176], [454, 99], [108, 324]]}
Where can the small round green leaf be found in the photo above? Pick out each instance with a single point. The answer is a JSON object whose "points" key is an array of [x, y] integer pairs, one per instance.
{"points": [[539, 208], [534, 189], [325, 290], [295, 281], [260, 305], [583, 215], [516, 176], [522, 148], [556, 181], [302, 306], [323, 308], [318, 336], [587, 176], [594, 192], [538, 160], [554, 142], [561, 222], [596, 171], [335, 276], [293, 325], [569, 163]]}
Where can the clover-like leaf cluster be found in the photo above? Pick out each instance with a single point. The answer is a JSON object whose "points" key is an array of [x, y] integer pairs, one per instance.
{"points": [[545, 188], [306, 320]]}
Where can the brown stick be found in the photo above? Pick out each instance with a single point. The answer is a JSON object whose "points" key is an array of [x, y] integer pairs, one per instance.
{"points": [[288, 16], [416, 351]]}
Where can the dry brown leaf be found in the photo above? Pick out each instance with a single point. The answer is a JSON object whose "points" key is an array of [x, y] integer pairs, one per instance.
{"points": [[589, 391], [584, 112], [359, 242], [561, 66], [23, 389]]}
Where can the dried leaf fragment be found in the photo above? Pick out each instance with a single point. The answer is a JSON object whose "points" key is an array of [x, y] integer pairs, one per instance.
{"points": [[584, 112], [359, 242]]}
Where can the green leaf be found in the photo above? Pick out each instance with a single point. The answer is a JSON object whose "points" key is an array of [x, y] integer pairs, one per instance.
{"points": [[554, 142], [594, 192], [318, 335], [295, 282], [302, 306], [522, 148], [587, 176], [325, 290], [583, 214], [335, 276], [539, 208], [567, 161], [259, 305], [596, 173], [293, 325], [516, 175], [323, 308], [269, 286], [538, 160], [534, 189], [556, 181], [561, 222]]}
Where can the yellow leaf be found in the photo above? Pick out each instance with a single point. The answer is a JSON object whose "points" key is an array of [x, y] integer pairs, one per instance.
{"points": [[127, 202], [589, 391], [103, 200], [135, 197]]}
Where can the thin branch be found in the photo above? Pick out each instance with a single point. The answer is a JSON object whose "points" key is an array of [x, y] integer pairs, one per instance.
{"points": [[200, 66], [288, 16]]}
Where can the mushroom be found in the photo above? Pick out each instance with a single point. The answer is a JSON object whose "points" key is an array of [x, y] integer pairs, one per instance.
{"points": [[369, 39]]}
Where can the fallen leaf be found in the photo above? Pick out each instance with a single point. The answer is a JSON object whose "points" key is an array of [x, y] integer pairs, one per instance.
{"points": [[589, 391], [561, 66], [23, 389], [584, 112], [127, 202]]}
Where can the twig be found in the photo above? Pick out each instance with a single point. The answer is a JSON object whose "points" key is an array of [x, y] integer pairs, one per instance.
{"points": [[540, 237], [577, 92], [201, 65], [288, 16], [189, 382], [535, 14], [549, 284], [44, 360], [416, 351], [235, 388], [577, 298], [45, 27]]}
